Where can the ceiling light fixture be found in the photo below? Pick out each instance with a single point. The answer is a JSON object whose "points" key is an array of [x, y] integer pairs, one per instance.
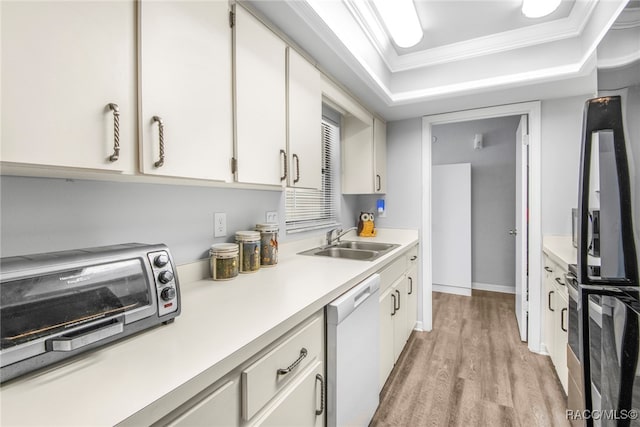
{"points": [[539, 8], [401, 19]]}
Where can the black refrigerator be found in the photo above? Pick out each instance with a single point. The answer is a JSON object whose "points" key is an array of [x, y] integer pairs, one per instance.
{"points": [[609, 351]]}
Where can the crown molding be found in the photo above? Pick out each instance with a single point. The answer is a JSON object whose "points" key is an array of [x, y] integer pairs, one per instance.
{"points": [[629, 18]]}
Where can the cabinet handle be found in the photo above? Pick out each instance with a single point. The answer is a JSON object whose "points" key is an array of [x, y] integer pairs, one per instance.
{"points": [[548, 270], [410, 285], [398, 292], [560, 282], [116, 131], [303, 354], [321, 379], [297, 160], [413, 258], [564, 310], [157, 119], [378, 182], [284, 156], [394, 304], [549, 301]]}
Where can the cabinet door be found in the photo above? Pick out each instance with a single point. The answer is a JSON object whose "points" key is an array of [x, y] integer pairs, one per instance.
{"points": [[561, 340], [357, 156], [220, 408], [412, 299], [380, 155], [549, 301], [305, 116], [63, 63], [300, 404], [400, 288], [387, 304], [185, 68], [260, 84]]}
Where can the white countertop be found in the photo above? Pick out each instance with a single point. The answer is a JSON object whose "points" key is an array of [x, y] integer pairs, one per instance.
{"points": [[221, 325], [560, 249]]}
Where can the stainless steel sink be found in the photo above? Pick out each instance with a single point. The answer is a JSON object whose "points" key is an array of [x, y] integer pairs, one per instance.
{"points": [[363, 251], [369, 246]]}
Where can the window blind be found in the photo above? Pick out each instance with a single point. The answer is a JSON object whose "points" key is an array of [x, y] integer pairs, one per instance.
{"points": [[309, 209]]}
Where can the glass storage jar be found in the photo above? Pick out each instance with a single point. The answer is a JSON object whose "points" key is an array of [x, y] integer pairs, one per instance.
{"points": [[249, 243], [268, 243], [224, 261]]}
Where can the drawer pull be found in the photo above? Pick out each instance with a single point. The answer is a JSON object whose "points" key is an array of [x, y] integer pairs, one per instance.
{"points": [[548, 270], [562, 316], [413, 258], [303, 354], [321, 379], [116, 131], [559, 281]]}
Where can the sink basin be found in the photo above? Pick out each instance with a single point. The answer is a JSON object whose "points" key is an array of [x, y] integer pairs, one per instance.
{"points": [[363, 251], [335, 252], [369, 246]]}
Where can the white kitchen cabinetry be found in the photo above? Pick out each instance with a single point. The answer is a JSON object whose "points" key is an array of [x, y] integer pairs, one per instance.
{"points": [[304, 151], [364, 156], [260, 102], [398, 309], [185, 69], [555, 322], [283, 385], [63, 65]]}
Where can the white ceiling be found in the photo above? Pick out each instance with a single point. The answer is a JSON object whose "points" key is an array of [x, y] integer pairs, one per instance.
{"points": [[474, 52]]}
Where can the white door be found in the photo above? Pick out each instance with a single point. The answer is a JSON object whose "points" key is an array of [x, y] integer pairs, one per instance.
{"points": [[451, 228], [521, 230]]}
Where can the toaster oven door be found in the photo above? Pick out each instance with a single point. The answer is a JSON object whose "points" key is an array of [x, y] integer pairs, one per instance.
{"points": [[72, 308]]}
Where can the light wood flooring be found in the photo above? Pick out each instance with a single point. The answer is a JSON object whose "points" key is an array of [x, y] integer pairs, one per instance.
{"points": [[471, 370]]}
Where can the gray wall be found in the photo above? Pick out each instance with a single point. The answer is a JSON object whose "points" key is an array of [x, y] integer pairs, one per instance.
{"points": [[42, 215], [492, 191]]}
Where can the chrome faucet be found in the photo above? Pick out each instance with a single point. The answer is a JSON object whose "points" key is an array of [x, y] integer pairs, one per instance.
{"points": [[339, 233]]}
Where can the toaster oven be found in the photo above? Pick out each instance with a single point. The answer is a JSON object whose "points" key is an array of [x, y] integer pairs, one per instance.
{"points": [[56, 305]]}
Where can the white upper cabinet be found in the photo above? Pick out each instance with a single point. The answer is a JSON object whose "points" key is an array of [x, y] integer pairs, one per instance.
{"points": [[380, 156], [305, 116], [63, 63], [186, 89], [260, 88]]}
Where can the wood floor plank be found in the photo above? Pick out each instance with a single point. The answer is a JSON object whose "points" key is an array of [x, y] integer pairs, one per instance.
{"points": [[471, 370]]}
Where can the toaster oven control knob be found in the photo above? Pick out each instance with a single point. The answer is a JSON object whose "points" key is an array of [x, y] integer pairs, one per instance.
{"points": [[165, 277], [168, 293], [161, 260]]}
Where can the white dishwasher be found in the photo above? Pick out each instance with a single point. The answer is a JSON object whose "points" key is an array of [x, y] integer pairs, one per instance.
{"points": [[353, 354]]}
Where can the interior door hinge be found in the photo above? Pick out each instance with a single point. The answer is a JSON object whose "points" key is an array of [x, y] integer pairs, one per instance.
{"points": [[234, 165], [525, 139], [232, 18]]}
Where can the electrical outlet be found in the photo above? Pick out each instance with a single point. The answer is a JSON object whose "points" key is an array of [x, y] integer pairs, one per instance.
{"points": [[272, 216], [219, 224]]}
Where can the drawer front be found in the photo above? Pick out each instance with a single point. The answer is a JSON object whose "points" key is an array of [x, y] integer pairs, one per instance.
{"points": [[220, 408], [262, 380], [392, 272]]}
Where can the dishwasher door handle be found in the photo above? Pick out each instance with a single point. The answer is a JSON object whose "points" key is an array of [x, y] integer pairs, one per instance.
{"points": [[341, 308]]}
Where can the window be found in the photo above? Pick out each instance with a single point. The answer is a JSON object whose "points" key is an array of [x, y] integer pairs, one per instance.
{"points": [[308, 209]]}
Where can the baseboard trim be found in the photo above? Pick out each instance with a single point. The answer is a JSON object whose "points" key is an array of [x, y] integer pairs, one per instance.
{"points": [[493, 288], [451, 290]]}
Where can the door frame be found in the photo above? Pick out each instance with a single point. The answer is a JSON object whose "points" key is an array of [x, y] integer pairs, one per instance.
{"points": [[532, 109]]}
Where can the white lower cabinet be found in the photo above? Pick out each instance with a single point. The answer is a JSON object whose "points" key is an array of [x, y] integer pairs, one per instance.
{"points": [[556, 317], [282, 385], [221, 408], [398, 309], [301, 404]]}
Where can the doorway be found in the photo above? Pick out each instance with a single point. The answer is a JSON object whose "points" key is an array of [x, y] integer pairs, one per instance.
{"points": [[531, 249]]}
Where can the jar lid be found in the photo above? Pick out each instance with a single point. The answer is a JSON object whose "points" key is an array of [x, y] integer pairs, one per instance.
{"points": [[267, 226], [223, 248], [247, 236]]}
